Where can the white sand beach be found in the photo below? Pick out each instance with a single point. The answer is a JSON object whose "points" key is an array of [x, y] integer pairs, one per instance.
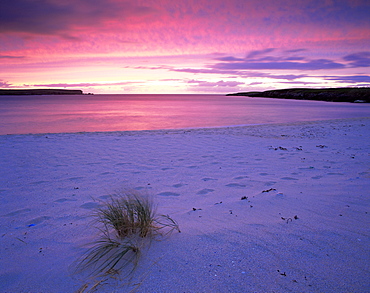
{"points": [[303, 225]]}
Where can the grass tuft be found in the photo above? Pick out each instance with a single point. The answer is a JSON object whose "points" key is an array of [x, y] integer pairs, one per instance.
{"points": [[129, 220], [108, 255]]}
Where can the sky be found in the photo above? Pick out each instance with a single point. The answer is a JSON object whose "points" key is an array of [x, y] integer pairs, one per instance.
{"points": [[184, 46]]}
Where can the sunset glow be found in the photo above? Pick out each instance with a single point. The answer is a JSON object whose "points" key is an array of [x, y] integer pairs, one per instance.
{"points": [[203, 46]]}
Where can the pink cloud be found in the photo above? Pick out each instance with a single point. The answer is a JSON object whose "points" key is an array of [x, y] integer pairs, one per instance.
{"points": [[11, 57], [82, 84], [250, 36], [261, 60], [220, 83], [360, 59], [183, 26], [352, 78], [5, 84], [48, 17]]}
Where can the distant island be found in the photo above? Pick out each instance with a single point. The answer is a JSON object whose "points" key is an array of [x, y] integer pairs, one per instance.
{"points": [[40, 92], [353, 95]]}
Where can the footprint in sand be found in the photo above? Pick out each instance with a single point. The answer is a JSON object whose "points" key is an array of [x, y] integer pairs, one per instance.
{"points": [[208, 179], [236, 185], [241, 177], [178, 185], [106, 173], [61, 165], [90, 205], [307, 168], [168, 193], [122, 164], [37, 221], [205, 191], [142, 187], [364, 174], [64, 200], [192, 167], [17, 212], [289, 178], [75, 178]]}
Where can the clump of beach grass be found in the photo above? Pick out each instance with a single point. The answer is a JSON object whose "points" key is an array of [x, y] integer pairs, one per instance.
{"points": [[129, 222]]}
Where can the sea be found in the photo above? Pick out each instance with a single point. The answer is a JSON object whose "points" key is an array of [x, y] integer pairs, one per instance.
{"points": [[128, 112]]}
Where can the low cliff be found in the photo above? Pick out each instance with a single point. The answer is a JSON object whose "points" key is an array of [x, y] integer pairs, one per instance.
{"points": [[330, 95], [40, 92]]}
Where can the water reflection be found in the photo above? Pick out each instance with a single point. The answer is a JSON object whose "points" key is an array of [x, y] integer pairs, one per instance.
{"points": [[45, 114]]}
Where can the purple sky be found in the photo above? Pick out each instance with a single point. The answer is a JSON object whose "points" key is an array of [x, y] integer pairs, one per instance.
{"points": [[203, 46]]}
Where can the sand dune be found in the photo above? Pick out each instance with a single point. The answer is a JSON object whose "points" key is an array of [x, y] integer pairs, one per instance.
{"points": [[268, 208]]}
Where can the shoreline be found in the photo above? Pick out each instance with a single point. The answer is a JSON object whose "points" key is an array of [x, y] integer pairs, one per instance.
{"points": [[274, 207], [191, 128]]}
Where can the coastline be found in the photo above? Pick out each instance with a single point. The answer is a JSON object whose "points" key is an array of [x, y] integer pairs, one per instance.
{"points": [[315, 170], [29, 92], [351, 95]]}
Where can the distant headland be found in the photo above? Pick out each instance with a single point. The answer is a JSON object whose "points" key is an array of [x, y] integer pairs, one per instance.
{"points": [[353, 95], [40, 92]]}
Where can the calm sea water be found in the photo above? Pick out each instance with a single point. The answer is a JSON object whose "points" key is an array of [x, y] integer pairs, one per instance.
{"points": [[54, 114]]}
